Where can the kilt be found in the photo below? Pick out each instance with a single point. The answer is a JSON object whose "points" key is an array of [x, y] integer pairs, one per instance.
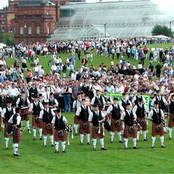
{"points": [[46, 131], [116, 128], [58, 138], [96, 135], [24, 113], [17, 135], [34, 123], [171, 122], [144, 127], [5, 134], [0, 123], [127, 134], [76, 120], [82, 130], [154, 132]]}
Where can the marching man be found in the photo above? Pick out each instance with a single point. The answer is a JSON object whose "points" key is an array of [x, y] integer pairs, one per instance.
{"points": [[23, 104], [46, 115], [141, 110], [171, 114], [157, 117], [59, 123], [35, 109], [83, 114], [129, 117], [7, 112], [15, 120], [97, 117], [115, 110]]}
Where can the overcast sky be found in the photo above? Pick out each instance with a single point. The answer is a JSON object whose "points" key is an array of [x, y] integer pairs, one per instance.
{"points": [[165, 5]]}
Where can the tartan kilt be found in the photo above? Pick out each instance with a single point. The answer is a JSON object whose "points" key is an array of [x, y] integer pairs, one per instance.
{"points": [[58, 138], [0, 123], [24, 113], [116, 128], [46, 131], [34, 123], [127, 134], [171, 122], [76, 120], [154, 132], [17, 137], [144, 127], [5, 130], [84, 131], [96, 135]]}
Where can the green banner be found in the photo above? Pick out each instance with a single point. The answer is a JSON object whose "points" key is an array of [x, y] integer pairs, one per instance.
{"points": [[119, 96]]}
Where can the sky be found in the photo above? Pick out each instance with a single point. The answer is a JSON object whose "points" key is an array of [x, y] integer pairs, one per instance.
{"points": [[165, 5]]}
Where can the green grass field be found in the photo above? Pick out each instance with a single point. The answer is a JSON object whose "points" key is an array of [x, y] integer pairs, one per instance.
{"points": [[81, 159]]}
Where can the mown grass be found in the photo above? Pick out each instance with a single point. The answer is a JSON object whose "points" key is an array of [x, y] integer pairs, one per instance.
{"points": [[81, 159]]}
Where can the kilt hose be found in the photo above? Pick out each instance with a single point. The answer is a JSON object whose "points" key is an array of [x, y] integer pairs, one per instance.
{"points": [[46, 131], [144, 127], [0, 123], [76, 120], [114, 127], [95, 133], [154, 132], [5, 131], [60, 138], [171, 120], [17, 137], [24, 113], [34, 123], [127, 134], [82, 130]]}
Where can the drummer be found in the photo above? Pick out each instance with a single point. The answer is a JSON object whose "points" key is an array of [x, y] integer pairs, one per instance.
{"points": [[23, 104]]}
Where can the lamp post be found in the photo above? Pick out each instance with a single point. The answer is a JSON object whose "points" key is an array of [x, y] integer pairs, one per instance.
{"points": [[170, 28], [24, 33], [105, 29]]}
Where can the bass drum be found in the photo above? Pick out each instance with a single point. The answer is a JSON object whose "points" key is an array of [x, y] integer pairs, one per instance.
{"points": [[9, 129], [107, 125]]}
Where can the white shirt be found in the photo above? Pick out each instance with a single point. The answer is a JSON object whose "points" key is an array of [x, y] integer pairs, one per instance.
{"points": [[18, 119], [80, 109], [97, 112], [157, 110], [42, 112], [129, 111], [110, 108], [36, 103], [58, 116]]}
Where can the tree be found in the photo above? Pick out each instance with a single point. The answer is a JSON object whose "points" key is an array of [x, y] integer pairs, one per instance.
{"points": [[7, 39], [162, 30]]}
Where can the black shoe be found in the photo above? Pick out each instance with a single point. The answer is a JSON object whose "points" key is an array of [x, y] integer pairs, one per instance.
{"points": [[88, 143], [135, 147], [112, 141], [125, 148], [103, 148], [170, 138], [153, 146], [34, 138], [16, 154], [40, 138], [5, 148], [52, 145], [81, 143], [56, 151], [64, 151], [94, 149], [163, 146], [120, 141], [137, 140], [44, 145], [145, 139]]}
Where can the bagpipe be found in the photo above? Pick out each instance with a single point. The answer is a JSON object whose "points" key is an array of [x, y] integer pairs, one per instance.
{"points": [[69, 130]]}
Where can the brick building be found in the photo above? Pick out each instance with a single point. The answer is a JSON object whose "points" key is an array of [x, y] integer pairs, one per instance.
{"points": [[7, 18]]}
